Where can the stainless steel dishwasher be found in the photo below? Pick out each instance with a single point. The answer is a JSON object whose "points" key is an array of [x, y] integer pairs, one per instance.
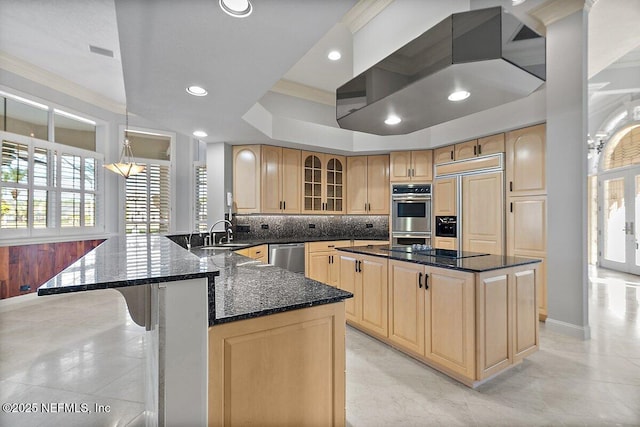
{"points": [[289, 256]]}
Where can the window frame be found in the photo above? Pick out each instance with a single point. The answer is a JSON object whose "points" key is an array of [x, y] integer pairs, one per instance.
{"points": [[56, 189], [196, 224]]}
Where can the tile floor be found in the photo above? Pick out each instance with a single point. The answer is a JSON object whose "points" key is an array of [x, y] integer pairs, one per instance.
{"points": [[84, 348]]}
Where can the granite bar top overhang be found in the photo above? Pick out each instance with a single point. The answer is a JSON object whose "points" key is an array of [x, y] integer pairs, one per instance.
{"points": [[475, 264], [130, 260]]}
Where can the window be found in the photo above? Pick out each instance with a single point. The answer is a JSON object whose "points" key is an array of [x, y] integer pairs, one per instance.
{"points": [[148, 203], [46, 187], [200, 197]]}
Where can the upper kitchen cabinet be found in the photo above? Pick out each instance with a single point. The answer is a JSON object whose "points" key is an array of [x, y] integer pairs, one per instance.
{"points": [[480, 147], [280, 180], [368, 185], [443, 154], [525, 163], [324, 183], [246, 178], [408, 166]]}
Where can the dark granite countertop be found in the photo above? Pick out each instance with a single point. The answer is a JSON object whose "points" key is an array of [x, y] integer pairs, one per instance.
{"points": [[129, 261], [197, 241], [474, 264], [247, 288], [244, 287]]}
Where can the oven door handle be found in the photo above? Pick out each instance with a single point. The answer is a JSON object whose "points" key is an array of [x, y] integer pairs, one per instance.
{"points": [[420, 198]]}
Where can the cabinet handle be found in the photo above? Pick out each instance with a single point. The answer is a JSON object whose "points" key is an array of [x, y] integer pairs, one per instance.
{"points": [[360, 266], [258, 252], [426, 281], [356, 264], [510, 185], [280, 205], [331, 246], [369, 207], [475, 150], [284, 205], [511, 207], [420, 280], [479, 149]]}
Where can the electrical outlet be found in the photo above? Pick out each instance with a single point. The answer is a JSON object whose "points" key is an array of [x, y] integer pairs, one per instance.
{"points": [[312, 226], [25, 288], [369, 225], [265, 226]]}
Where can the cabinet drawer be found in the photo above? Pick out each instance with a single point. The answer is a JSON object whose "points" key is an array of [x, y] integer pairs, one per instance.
{"points": [[327, 246]]}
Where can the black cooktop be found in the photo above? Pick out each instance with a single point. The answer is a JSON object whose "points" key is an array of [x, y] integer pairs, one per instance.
{"points": [[438, 253]]}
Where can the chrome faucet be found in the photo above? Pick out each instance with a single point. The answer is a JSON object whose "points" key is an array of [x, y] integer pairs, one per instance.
{"points": [[229, 235]]}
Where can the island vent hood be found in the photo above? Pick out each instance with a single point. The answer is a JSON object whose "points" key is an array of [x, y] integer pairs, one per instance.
{"points": [[487, 52]]}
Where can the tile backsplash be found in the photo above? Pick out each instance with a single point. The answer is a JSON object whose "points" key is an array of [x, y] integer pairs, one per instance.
{"points": [[284, 226]]}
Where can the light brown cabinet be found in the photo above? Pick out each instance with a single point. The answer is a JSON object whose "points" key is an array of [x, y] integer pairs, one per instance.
{"points": [[483, 213], [368, 185], [322, 262], [283, 369], [450, 243], [366, 278], [480, 147], [526, 204], [323, 189], [407, 305], [259, 253], [407, 166], [445, 197], [246, 178], [525, 161], [443, 154], [281, 180]]}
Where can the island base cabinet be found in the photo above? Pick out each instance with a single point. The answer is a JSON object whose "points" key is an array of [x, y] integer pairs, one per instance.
{"points": [[283, 369], [450, 320], [366, 278]]}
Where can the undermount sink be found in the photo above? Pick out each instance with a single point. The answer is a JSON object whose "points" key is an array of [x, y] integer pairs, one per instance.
{"points": [[223, 246]]}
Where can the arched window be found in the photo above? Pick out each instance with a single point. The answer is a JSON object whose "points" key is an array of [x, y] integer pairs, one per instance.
{"points": [[623, 149]]}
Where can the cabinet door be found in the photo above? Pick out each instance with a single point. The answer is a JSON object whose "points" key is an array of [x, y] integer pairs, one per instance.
{"points": [[357, 185], [291, 181], [444, 197], [527, 226], [494, 325], [334, 172], [491, 144], [525, 318], [246, 179], [450, 320], [443, 155], [422, 165], [373, 277], [312, 184], [483, 213], [445, 243], [525, 164], [271, 179], [334, 269], [400, 166], [406, 305], [466, 150], [349, 278], [318, 267], [378, 199]]}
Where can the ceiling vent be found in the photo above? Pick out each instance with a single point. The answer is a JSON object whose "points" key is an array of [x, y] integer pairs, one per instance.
{"points": [[488, 53], [101, 51]]}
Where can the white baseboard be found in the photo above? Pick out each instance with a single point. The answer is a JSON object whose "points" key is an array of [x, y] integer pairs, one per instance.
{"points": [[581, 332]]}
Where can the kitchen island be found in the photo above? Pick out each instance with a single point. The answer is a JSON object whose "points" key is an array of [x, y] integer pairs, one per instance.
{"points": [[203, 309], [468, 315]]}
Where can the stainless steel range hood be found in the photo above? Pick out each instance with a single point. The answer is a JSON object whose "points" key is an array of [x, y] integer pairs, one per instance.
{"points": [[487, 52]]}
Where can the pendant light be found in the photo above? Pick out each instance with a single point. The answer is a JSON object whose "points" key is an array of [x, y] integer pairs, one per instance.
{"points": [[127, 165]]}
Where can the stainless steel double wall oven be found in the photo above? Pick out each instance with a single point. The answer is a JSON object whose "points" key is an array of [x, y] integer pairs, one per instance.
{"points": [[411, 214]]}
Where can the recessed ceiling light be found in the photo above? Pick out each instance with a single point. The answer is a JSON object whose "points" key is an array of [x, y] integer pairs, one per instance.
{"points": [[459, 95], [196, 91], [334, 55], [517, 2], [237, 8], [200, 134], [392, 119]]}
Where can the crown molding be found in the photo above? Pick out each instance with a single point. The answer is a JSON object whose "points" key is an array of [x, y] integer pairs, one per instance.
{"points": [[41, 76], [298, 90], [363, 12], [554, 10]]}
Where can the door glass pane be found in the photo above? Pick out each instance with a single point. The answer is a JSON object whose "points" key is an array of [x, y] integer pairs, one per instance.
{"points": [[614, 220]]}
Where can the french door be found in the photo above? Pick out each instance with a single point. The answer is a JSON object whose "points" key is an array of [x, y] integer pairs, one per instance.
{"points": [[619, 220]]}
